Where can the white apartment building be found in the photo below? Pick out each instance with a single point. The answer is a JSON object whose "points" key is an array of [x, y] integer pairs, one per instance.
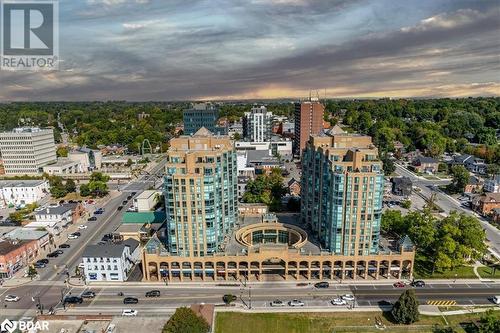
{"points": [[53, 218], [22, 192], [26, 150], [257, 125], [492, 185], [110, 262]]}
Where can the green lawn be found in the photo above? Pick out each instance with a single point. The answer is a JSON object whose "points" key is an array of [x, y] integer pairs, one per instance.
{"points": [[487, 272], [463, 272], [227, 322]]}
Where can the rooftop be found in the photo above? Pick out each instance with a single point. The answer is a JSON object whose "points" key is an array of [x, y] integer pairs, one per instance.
{"points": [[144, 217], [26, 234], [7, 247], [57, 210], [21, 183], [109, 250]]}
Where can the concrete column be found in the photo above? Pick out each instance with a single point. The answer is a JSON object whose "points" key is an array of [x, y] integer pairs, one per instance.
{"points": [[400, 272], [260, 273], [286, 270], [342, 271], [355, 272], [366, 270], [321, 270]]}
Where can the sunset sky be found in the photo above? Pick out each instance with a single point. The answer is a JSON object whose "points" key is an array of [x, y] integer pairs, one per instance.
{"points": [[231, 49]]}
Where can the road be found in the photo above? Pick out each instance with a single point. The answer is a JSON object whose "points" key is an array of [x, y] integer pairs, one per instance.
{"points": [[50, 294], [107, 300], [448, 204]]}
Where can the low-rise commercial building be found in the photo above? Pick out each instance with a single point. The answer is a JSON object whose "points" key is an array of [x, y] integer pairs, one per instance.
{"points": [[55, 218], [15, 255], [147, 200], [22, 192], [110, 262], [27, 234]]}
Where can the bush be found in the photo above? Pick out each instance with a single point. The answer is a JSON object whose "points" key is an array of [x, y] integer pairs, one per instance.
{"points": [[405, 311]]}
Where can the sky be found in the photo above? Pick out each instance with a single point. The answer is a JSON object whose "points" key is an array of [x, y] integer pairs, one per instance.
{"points": [[140, 50]]}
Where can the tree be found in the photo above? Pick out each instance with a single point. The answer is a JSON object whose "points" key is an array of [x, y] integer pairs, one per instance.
{"points": [[228, 299], [493, 169], [185, 320], [405, 311], [70, 186], [85, 190], [388, 165], [460, 179], [32, 273], [129, 162], [406, 204], [393, 222], [62, 152], [439, 329], [267, 189], [490, 323]]}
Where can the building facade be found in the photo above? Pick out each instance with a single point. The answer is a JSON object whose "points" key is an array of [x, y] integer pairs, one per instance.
{"points": [[342, 190], [15, 255], [22, 192], [257, 125], [492, 185], [202, 115], [200, 193], [25, 151], [110, 262], [308, 121]]}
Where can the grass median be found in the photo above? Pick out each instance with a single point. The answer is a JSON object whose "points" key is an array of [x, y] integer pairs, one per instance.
{"points": [[331, 322]]}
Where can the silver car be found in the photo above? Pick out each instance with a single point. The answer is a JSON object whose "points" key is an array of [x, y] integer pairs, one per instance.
{"points": [[296, 302]]}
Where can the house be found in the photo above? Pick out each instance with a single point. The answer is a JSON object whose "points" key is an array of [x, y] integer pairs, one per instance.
{"points": [[22, 192], [471, 163], [294, 187], [474, 185], [27, 234], [425, 164], [15, 255], [110, 262], [401, 186], [485, 203], [55, 218], [492, 185]]}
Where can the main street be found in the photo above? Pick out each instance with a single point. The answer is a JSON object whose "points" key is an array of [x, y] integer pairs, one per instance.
{"points": [[448, 204], [258, 297], [50, 289]]}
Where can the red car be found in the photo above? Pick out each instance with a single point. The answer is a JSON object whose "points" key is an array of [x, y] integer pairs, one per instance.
{"points": [[399, 284]]}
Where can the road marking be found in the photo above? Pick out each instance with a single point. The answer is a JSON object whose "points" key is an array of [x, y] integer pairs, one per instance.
{"points": [[468, 286], [442, 303]]}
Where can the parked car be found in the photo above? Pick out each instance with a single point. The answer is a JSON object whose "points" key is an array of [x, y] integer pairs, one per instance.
{"points": [[130, 300], [111, 328], [296, 302], [73, 300], [129, 197], [129, 313], [82, 227], [418, 284], [348, 297], [88, 294], [92, 218], [119, 208], [53, 255], [399, 284], [321, 285], [277, 302], [43, 261], [133, 193], [64, 246], [39, 265], [124, 202], [339, 301], [107, 237], [153, 293], [496, 299], [73, 236], [59, 252], [77, 233], [11, 298]]}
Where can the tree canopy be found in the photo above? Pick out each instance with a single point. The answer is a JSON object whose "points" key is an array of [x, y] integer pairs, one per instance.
{"points": [[267, 189], [405, 310], [185, 320]]}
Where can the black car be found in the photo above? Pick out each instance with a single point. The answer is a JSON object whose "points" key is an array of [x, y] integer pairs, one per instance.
{"points": [[321, 285], [64, 246], [124, 202], [73, 300], [153, 293], [130, 300], [119, 208], [53, 255], [88, 294], [77, 233], [134, 193], [39, 265], [93, 218], [129, 197], [43, 261], [418, 284]]}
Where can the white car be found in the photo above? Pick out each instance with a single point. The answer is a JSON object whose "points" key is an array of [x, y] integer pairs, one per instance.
{"points": [[11, 298], [72, 236], [339, 301], [82, 227], [348, 297], [496, 299], [277, 302], [296, 302], [129, 313]]}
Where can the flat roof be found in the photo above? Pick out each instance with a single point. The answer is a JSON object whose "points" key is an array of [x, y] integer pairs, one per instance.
{"points": [[22, 183]]}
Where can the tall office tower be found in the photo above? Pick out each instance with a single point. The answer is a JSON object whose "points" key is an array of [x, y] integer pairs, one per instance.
{"points": [[201, 193], [308, 121], [342, 191], [202, 115], [257, 125], [26, 150]]}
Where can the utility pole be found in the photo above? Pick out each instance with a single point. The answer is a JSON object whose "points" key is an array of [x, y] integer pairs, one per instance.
{"points": [[250, 297]]}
